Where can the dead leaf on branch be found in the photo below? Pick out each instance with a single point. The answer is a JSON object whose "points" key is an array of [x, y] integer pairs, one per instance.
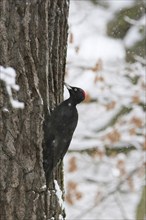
{"points": [[71, 188], [131, 184], [98, 66], [113, 136], [71, 38], [136, 99], [121, 167], [137, 121], [69, 199], [144, 145], [72, 164], [143, 85], [110, 105], [141, 171], [98, 79], [98, 153], [71, 185], [73, 194], [132, 131], [78, 195]]}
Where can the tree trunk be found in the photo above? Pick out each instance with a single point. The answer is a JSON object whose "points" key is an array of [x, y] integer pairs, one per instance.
{"points": [[33, 38]]}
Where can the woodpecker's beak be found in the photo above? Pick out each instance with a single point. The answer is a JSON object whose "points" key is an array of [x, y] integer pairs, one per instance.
{"points": [[67, 86]]}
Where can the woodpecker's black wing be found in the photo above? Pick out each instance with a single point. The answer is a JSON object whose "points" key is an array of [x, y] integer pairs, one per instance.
{"points": [[58, 134]]}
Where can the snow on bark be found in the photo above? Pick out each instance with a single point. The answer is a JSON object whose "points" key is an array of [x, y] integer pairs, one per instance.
{"points": [[8, 75]]}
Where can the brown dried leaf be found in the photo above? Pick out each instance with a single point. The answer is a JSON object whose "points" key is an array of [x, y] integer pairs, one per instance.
{"points": [[121, 167], [101, 154], [110, 105], [98, 153], [132, 131], [98, 66], [114, 136], [72, 164], [141, 171], [72, 193], [120, 164], [143, 85], [98, 79], [137, 121], [144, 145], [136, 99], [72, 186], [71, 38], [78, 195], [69, 199], [131, 184]]}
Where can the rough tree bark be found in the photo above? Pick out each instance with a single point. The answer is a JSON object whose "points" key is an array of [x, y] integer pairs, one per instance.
{"points": [[33, 39]]}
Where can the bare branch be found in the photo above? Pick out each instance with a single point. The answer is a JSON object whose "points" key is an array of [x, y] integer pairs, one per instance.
{"points": [[117, 188]]}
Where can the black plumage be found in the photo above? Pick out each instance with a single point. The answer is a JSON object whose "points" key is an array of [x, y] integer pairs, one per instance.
{"points": [[59, 129]]}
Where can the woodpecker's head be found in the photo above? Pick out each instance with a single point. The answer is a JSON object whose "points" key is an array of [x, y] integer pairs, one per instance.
{"points": [[77, 95]]}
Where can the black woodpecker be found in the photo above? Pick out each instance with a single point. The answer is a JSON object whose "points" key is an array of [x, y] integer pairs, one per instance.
{"points": [[59, 129]]}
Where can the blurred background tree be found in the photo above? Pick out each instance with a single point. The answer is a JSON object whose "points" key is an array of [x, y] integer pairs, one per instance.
{"points": [[105, 166]]}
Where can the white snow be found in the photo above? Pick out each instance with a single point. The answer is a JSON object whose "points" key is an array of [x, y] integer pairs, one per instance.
{"points": [[91, 49], [116, 5], [134, 34], [43, 187], [59, 194], [8, 75], [5, 110], [61, 217]]}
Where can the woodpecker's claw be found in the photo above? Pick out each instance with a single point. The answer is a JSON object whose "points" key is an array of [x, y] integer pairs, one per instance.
{"points": [[67, 86]]}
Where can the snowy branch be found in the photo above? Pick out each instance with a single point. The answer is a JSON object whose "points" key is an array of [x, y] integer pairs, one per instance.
{"points": [[115, 190], [132, 21]]}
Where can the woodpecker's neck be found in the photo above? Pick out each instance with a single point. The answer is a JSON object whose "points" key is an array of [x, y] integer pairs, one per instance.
{"points": [[71, 101]]}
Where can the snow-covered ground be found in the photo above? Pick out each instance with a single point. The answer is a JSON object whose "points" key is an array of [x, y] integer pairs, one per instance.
{"points": [[102, 185]]}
